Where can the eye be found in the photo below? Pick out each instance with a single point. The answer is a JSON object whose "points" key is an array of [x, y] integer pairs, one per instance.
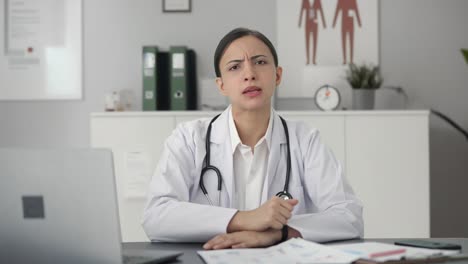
{"points": [[234, 67], [261, 62]]}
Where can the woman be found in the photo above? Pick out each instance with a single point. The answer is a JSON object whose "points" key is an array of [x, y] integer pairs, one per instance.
{"points": [[248, 144]]}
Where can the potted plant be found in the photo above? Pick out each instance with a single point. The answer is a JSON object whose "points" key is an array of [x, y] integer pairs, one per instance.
{"points": [[364, 79], [465, 54]]}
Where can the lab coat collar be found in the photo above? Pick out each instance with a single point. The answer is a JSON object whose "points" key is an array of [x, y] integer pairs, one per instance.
{"points": [[220, 129], [278, 142], [277, 131], [220, 139], [234, 135]]}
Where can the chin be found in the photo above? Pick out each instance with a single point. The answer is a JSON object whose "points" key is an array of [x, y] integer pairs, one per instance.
{"points": [[255, 105]]}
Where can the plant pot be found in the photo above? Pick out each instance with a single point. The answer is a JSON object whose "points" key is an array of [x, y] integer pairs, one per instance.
{"points": [[363, 99]]}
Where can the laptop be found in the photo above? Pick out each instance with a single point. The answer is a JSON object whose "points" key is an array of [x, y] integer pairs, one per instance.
{"points": [[60, 206]]}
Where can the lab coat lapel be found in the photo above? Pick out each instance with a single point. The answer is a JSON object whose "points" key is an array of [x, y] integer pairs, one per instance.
{"points": [[278, 141], [221, 152]]}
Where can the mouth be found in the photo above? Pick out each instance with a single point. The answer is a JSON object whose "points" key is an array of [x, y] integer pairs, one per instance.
{"points": [[252, 90]]}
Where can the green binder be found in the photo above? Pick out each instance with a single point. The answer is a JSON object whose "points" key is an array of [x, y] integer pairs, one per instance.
{"points": [[183, 79], [150, 78], [178, 83]]}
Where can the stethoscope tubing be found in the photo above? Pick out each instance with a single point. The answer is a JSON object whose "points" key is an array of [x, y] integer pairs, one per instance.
{"points": [[282, 194]]}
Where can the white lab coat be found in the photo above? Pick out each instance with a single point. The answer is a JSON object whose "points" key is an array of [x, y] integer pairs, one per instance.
{"points": [[178, 211]]}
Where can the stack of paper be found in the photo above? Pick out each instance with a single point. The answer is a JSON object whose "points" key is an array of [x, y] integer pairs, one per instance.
{"points": [[301, 251], [291, 251]]}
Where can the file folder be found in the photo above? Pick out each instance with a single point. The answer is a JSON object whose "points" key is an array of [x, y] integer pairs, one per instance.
{"points": [[150, 77], [162, 86], [183, 88], [155, 79]]}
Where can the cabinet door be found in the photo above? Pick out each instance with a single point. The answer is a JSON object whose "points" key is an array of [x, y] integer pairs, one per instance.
{"points": [[186, 118], [136, 142], [331, 128], [388, 166]]}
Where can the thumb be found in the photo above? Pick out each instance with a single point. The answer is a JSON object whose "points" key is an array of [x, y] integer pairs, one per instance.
{"points": [[293, 201]]}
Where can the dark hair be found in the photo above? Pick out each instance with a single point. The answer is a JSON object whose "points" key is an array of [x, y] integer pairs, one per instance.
{"points": [[236, 34]]}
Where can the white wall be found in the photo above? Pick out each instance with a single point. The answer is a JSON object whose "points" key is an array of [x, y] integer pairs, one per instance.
{"points": [[114, 31], [419, 50], [420, 42]]}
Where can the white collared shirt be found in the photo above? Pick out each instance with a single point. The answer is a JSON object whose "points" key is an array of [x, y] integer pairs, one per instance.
{"points": [[249, 168]]}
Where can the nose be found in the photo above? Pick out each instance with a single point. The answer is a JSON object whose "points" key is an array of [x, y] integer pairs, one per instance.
{"points": [[249, 73]]}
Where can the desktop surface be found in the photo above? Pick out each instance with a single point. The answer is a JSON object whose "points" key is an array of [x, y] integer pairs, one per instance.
{"points": [[190, 249]]}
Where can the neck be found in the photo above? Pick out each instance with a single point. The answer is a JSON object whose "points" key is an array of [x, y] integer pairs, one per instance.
{"points": [[251, 125]]}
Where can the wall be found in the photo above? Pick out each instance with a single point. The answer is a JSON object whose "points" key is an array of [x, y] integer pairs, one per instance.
{"points": [[114, 31], [420, 42], [419, 50]]}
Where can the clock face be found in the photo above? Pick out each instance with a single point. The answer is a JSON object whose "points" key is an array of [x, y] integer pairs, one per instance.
{"points": [[327, 98]]}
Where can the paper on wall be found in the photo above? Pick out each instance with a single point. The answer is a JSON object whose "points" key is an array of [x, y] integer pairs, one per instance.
{"points": [[137, 173]]}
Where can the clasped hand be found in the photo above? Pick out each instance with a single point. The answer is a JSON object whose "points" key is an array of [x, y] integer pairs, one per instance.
{"points": [[256, 228], [273, 214]]}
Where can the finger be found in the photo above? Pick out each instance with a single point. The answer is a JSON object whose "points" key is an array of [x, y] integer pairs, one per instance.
{"points": [[287, 207], [240, 245], [289, 204], [281, 219], [285, 213], [215, 240], [222, 246], [292, 202], [227, 243], [276, 198]]}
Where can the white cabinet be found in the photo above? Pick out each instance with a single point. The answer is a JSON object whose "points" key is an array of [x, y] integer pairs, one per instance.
{"points": [[385, 154], [388, 165]]}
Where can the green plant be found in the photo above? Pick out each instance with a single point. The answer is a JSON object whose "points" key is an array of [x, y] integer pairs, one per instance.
{"points": [[364, 76], [465, 53]]}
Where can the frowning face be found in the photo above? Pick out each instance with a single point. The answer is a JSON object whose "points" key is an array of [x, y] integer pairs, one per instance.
{"points": [[248, 74]]}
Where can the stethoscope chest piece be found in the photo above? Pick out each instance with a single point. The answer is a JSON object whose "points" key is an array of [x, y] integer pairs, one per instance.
{"points": [[284, 195]]}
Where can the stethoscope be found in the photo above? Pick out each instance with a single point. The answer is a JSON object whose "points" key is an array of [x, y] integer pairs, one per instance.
{"points": [[284, 194]]}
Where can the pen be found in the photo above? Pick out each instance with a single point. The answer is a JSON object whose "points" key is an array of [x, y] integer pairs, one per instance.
{"points": [[387, 253]]}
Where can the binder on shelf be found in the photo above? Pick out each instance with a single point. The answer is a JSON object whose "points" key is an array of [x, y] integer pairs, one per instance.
{"points": [[162, 97], [149, 78], [183, 84], [155, 79]]}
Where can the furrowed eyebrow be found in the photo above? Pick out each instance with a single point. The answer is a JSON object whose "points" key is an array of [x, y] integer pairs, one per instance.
{"points": [[257, 56], [252, 58]]}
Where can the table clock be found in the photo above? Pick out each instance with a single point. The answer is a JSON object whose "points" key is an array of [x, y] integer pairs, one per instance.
{"points": [[327, 98]]}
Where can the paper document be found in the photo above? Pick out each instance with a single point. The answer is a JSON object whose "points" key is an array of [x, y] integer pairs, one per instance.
{"points": [[292, 251], [381, 252]]}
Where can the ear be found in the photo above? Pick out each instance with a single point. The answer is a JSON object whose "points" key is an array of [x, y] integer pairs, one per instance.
{"points": [[279, 75], [220, 84]]}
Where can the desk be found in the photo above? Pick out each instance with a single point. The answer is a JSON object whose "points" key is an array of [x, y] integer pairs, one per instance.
{"points": [[191, 256]]}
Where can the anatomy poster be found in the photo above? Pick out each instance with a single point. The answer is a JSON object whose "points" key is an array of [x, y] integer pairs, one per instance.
{"points": [[317, 39]]}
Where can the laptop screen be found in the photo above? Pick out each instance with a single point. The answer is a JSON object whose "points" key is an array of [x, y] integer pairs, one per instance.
{"points": [[58, 206]]}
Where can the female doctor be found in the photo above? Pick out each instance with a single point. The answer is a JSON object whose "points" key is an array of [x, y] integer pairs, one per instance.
{"points": [[247, 178]]}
